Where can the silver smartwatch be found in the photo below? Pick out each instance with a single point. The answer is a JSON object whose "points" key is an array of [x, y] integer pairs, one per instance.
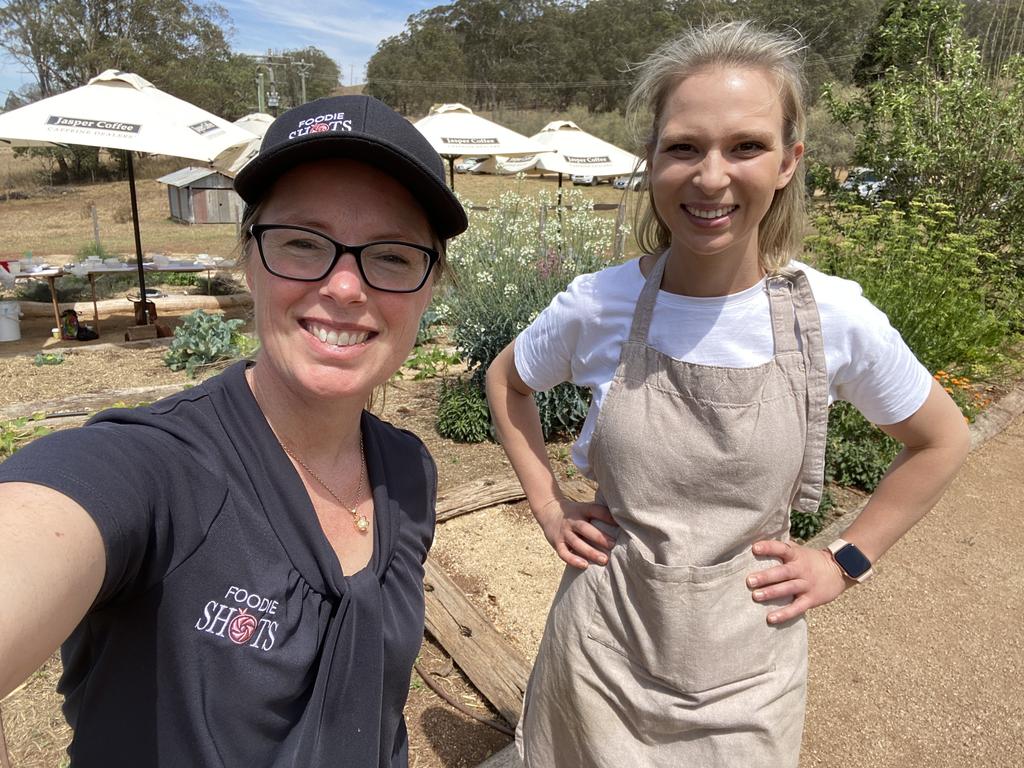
{"points": [[853, 562]]}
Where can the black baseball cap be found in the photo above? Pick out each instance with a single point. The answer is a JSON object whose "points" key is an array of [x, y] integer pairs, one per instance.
{"points": [[361, 128]]}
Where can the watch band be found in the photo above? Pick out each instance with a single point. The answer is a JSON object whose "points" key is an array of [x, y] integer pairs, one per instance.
{"points": [[851, 560]]}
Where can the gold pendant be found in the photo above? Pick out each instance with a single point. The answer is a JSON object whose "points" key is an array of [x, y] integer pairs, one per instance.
{"points": [[362, 524]]}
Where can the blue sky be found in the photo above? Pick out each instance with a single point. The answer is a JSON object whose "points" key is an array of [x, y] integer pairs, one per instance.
{"points": [[346, 30]]}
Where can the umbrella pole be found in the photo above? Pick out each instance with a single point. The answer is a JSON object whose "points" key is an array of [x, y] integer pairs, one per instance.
{"points": [[559, 189], [451, 172], [138, 237]]}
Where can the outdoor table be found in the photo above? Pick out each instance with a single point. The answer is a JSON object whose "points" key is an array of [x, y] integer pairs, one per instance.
{"points": [[149, 267], [50, 275]]}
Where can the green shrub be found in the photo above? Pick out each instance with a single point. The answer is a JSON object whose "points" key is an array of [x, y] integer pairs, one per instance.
{"points": [[953, 301], [429, 326], [462, 413], [857, 453], [48, 358], [805, 525], [92, 248], [430, 361], [176, 278], [17, 432], [562, 409], [516, 255], [202, 339]]}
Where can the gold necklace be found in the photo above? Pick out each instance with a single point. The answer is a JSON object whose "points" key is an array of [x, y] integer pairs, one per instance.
{"points": [[361, 523]]}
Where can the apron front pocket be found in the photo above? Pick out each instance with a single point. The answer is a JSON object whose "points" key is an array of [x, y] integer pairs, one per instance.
{"points": [[694, 628]]}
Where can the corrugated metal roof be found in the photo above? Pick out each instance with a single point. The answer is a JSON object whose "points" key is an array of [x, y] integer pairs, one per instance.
{"points": [[187, 176]]}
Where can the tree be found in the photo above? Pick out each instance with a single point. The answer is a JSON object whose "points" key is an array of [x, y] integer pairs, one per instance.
{"points": [[422, 65], [178, 45], [321, 75], [998, 25], [938, 127], [911, 34], [835, 31]]}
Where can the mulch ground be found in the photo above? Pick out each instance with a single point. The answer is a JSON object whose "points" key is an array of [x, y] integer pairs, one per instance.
{"points": [[919, 668]]}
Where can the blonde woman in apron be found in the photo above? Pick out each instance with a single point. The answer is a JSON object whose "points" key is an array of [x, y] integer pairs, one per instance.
{"points": [[677, 636]]}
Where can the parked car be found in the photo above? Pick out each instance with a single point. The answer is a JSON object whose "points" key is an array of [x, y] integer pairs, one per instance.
{"points": [[634, 181], [585, 180], [865, 182], [468, 164]]}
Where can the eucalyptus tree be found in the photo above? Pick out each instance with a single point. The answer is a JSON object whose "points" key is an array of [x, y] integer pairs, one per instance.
{"points": [[178, 45]]}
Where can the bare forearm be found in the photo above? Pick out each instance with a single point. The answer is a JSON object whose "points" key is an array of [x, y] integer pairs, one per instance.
{"points": [[51, 566], [517, 421], [567, 525], [917, 478]]}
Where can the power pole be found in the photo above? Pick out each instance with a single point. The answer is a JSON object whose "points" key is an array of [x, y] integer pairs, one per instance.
{"points": [[302, 68]]}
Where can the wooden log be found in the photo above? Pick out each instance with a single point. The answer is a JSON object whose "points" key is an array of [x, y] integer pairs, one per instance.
{"points": [[497, 669], [579, 489], [491, 491], [89, 401], [478, 494]]}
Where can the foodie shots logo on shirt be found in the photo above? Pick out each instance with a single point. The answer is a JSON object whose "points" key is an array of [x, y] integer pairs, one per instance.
{"points": [[242, 617], [78, 123], [332, 121]]}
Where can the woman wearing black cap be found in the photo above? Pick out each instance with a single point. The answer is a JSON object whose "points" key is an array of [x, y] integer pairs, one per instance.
{"points": [[236, 572]]}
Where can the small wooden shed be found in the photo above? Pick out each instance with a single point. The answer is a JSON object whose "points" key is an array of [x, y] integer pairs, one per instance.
{"points": [[202, 196]]}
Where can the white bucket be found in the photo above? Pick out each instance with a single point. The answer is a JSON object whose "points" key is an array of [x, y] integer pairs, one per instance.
{"points": [[10, 321]]}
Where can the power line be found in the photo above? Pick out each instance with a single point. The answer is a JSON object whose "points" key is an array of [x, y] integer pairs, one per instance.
{"points": [[548, 83], [484, 84]]}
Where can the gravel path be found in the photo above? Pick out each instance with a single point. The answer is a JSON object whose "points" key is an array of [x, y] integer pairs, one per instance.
{"points": [[922, 667]]}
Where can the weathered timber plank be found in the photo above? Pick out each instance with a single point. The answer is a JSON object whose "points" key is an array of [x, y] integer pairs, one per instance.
{"points": [[491, 491], [579, 489], [90, 401], [497, 669], [478, 494]]}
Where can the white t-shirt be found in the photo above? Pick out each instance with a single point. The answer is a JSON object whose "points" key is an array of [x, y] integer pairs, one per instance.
{"points": [[579, 337]]}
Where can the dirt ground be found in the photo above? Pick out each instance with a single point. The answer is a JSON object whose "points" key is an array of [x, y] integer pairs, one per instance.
{"points": [[440, 736], [921, 667]]}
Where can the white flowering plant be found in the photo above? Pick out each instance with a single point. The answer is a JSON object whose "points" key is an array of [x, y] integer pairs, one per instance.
{"points": [[518, 252]]}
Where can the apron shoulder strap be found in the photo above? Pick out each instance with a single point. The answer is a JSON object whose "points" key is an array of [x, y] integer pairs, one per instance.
{"points": [[812, 474], [644, 311], [780, 303]]}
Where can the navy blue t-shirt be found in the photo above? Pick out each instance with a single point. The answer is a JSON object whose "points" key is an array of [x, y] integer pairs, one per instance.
{"points": [[225, 633]]}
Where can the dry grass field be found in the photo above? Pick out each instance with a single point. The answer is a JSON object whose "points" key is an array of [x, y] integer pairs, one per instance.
{"points": [[56, 221]]}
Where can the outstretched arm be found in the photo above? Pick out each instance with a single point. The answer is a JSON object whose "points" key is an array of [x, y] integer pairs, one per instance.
{"points": [[52, 564], [566, 524], [935, 443]]}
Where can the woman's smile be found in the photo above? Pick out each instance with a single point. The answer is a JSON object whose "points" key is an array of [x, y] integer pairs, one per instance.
{"points": [[337, 336], [717, 162]]}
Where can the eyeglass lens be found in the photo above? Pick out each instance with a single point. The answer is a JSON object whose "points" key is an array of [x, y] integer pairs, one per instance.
{"points": [[303, 255]]}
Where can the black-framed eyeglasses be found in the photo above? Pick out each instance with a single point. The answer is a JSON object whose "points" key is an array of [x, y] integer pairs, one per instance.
{"points": [[300, 253]]}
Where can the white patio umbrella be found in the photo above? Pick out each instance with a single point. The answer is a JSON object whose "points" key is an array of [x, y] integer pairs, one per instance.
{"points": [[256, 123], [453, 131], [119, 110], [580, 153], [507, 166]]}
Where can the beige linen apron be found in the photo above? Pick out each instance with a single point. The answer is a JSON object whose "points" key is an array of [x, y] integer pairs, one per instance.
{"points": [[661, 658]]}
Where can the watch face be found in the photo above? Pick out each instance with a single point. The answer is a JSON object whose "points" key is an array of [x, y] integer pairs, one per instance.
{"points": [[852, 561]]}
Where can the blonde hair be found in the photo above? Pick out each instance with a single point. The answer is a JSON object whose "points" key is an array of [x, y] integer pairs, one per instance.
{"points": [[733, 44]]}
